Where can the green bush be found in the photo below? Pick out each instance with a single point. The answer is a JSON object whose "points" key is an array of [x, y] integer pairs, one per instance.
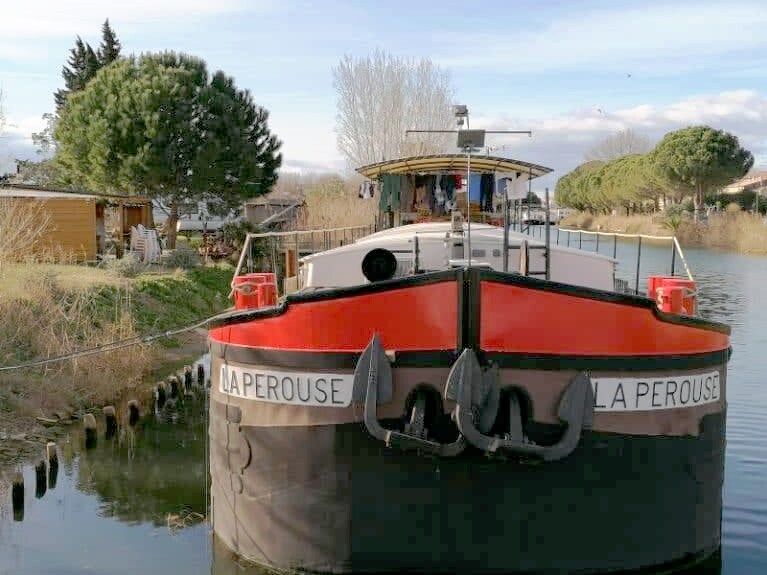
{"points": [[183, 257], [674, 216], [129, 266]]}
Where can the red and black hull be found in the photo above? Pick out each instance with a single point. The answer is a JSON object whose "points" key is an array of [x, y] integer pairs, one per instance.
{"points": [[307, 487]]}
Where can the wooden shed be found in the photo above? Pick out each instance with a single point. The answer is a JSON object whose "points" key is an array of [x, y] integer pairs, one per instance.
{"points": [[71, 230], [80, 224]]}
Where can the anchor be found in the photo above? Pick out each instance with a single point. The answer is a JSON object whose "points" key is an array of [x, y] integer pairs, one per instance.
{"points": [[373, 386], [576, 409]]}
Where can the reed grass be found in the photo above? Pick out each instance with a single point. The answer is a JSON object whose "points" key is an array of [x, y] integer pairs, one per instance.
{"points": [[334, 203], [733, 230], [637, 224], [22, 229], [738, 231]]}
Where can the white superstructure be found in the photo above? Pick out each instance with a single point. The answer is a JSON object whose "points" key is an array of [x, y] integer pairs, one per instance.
{"points": [[439, 248]]}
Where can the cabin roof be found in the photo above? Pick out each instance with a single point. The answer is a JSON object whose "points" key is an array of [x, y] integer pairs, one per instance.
{"points": [[438, 163]]}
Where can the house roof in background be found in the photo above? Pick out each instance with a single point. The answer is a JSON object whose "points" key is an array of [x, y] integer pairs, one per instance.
{"points": [[43, 194]]}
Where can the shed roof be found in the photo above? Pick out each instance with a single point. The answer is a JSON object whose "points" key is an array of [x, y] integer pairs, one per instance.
{"points": [[437, 163], [46, 194]]}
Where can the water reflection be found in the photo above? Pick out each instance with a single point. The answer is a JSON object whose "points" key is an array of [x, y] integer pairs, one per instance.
{"points": [[136, 503], [152, 472]]}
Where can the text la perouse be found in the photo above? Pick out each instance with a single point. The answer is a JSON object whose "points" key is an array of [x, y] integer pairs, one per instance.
{"points": [[315, 389], [633, 394]]}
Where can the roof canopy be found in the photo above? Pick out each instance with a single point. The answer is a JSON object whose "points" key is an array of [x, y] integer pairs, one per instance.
{"points": [[439, 163]]}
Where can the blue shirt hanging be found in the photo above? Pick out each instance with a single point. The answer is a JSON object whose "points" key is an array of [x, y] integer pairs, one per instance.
{"points": [[475, 187]]}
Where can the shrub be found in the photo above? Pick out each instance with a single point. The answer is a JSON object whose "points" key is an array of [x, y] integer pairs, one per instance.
{"points": [[129, 266], [183, 257], [675, 215]]}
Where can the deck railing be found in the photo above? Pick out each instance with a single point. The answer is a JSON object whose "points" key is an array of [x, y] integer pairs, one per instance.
{"points": [[569, 241], [279, 252]]}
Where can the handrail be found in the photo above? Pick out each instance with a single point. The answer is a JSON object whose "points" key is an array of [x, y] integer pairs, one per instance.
{"points": [[295, 232], [619, 234], [684, 260], [257, 235], [673, 239]]}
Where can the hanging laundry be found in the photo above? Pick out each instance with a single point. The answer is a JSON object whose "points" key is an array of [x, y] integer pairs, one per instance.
{"points": [[366, 190], [389, 196], [500, 186], [487, 187], [475, 187], [448, 185]]}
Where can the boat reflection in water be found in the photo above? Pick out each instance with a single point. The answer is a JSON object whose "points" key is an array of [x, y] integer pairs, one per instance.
{"points": [[131, 504]]}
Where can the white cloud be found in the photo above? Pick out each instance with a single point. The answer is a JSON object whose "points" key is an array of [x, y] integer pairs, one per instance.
{"points": [[53, 18], [561, 142], [649, 40], [25, 26]]}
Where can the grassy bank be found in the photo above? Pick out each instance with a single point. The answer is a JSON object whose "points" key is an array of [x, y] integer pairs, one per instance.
{"points": [[51, 310], [735, 231]]}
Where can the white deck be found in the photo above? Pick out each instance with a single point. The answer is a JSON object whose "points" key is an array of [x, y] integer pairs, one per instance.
{"points": [[341, 267]]}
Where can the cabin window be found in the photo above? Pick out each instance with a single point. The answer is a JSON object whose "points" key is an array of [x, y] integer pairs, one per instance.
{"points": [[478, 253], [496, 253]]}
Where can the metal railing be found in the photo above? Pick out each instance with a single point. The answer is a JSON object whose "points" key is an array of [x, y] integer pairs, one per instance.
{"points": [[676, 249], [266, 249]]}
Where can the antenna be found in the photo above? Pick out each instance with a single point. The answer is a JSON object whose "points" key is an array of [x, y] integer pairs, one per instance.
{"points": [[468, 140]]}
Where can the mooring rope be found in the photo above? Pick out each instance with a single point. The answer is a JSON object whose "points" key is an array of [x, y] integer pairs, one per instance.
{"points": [[115, 345]]}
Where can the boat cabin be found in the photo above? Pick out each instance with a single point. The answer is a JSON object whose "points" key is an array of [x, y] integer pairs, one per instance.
{"points": [[422, 200], [428, 188]]}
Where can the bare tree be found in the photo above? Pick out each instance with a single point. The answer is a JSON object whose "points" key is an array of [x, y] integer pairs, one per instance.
{"points": [[623, 143], [380, 96]]}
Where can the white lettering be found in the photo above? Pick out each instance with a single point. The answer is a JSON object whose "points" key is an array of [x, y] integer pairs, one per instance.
{"points": [[294, 388], [647, 394]]}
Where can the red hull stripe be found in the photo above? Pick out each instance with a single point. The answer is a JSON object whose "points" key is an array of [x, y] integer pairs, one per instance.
{"points": [[419, 317], [542, 322]]}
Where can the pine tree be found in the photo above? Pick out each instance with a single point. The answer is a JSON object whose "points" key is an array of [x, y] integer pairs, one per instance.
{"points": [[73, 72], [84, 62], [109, 50]]}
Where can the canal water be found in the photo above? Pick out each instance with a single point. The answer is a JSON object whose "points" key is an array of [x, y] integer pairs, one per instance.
{"points": [[137, 503]]}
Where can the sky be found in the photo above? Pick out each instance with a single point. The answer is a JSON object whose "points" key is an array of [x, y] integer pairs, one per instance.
{"points": [[572, 72]]}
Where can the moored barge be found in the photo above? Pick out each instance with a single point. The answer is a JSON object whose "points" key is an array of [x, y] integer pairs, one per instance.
{"points": [[457, 397]]}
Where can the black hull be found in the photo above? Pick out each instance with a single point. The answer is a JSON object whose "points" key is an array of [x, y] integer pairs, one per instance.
{"points": [[330, 498]]}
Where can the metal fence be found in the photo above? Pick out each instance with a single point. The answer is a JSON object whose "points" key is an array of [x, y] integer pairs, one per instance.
{"points": [[574, 238], [280, 252]]}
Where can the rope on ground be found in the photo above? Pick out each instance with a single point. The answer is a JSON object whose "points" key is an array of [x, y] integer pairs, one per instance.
{"points": [[115, 345]]}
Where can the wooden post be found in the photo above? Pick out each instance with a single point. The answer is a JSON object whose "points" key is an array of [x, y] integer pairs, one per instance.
{"points": [[174, 386], [133, 412], [53, 464], [162, 395], [17, 496], [111, 422], [188, 377], [291, 260], [41, 479], [120, 218], [89, 423]]}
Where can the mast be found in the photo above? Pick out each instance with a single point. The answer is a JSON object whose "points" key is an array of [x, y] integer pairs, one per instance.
{"points": [[468, 140]]}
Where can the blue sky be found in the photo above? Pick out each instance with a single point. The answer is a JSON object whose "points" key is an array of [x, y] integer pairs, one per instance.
{"points": [[573, 72]]}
